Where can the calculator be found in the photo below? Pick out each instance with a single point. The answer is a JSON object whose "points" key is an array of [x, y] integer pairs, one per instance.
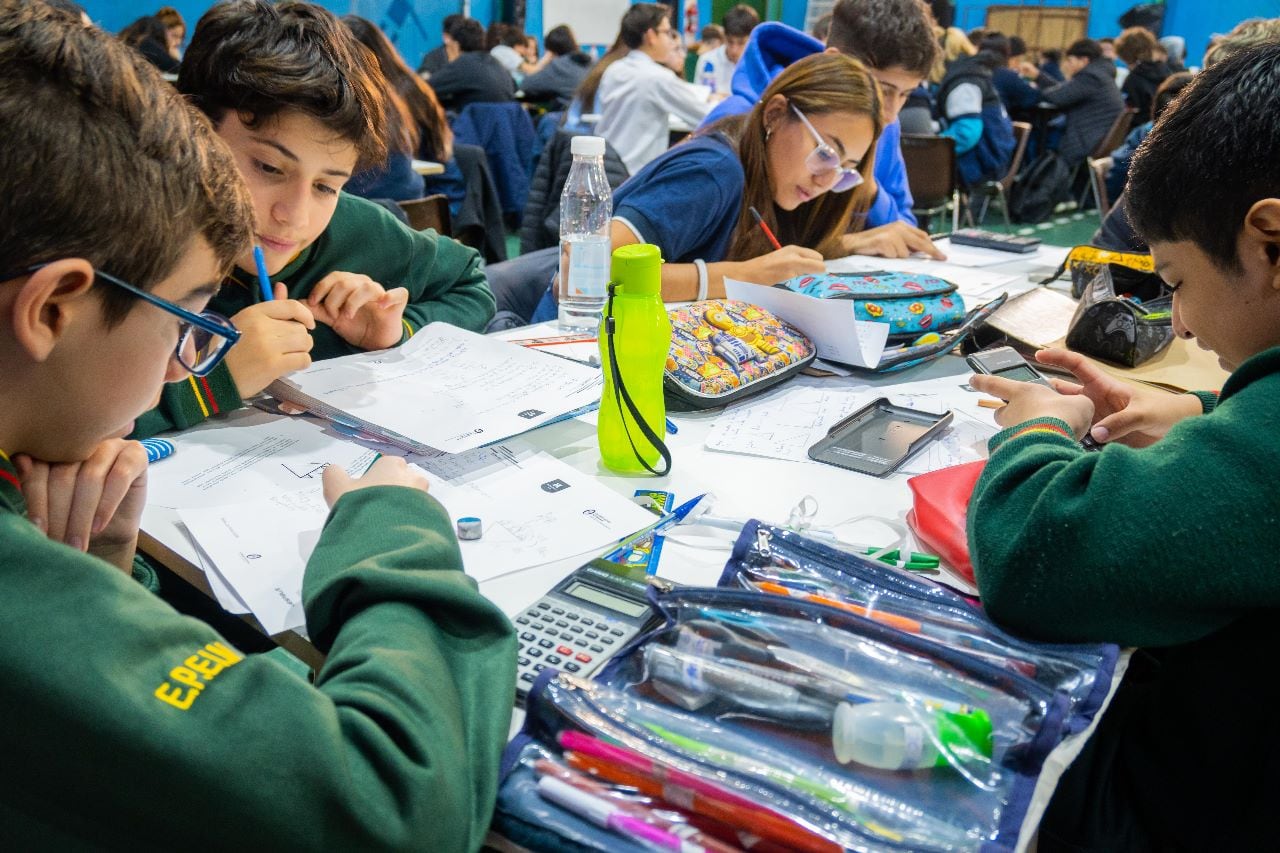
{"points": [[994, 240], [582, 622]]}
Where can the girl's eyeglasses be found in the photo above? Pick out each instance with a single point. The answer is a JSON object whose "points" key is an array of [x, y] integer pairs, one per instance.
{"points": [[203, 339], [824, 160]]}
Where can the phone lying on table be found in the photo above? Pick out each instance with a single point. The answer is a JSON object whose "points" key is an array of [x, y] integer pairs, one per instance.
{"points": [[1005, 362], [878, 438]]}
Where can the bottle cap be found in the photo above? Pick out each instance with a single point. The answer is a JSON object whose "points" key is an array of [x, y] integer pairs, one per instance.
{"points": [[591, 146], [967, 736], [637, 268], [470, 527]]}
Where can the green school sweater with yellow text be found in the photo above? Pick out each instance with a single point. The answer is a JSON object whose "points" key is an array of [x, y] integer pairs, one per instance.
{"points": [[129, 726], [444, 278]]}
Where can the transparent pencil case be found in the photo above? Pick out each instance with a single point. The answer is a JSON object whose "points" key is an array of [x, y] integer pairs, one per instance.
{"points": [[749, 719], [782, 562]]}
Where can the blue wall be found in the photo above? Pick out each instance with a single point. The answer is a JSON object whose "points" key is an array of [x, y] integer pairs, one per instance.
{"points": [[415, 24]]}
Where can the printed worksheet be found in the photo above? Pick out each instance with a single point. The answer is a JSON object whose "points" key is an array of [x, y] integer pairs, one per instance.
{"points": [[446, 388], [253, 456], [533, 509]]}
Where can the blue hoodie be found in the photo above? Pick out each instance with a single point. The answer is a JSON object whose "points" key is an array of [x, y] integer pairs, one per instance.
{"points": [[773, 47]]}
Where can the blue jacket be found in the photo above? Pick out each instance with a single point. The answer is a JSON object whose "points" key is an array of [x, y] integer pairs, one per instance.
{"points": [[988, 158], [773, 47], [506, 134]]}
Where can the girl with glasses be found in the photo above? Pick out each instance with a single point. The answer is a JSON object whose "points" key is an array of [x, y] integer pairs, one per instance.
{"points": [[798, 158]]}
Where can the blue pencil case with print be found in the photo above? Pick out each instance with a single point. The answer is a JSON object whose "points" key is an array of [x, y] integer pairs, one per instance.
{"points": [[911, 304]]}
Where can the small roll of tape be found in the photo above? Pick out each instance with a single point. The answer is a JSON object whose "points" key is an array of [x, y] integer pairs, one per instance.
{"points": [[470, 528], [157, 448]]}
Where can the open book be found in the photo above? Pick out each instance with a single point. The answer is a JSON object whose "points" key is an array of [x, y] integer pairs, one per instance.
{"points": [[444, 390]]}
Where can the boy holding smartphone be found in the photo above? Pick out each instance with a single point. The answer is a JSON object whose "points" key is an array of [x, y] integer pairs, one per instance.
{"points": [[1170, 546]]}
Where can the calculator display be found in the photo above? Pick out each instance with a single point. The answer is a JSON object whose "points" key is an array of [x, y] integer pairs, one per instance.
{"points": [[598, 596], [1022, 373]]}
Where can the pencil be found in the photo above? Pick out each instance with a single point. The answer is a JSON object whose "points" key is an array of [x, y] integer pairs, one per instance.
{"points": [[764, 226], [264, 280], [989, 403]]}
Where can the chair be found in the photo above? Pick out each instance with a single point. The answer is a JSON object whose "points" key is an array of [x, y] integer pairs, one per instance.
{"points": [[1112, 140], [931, 176], [429, 212], [505, 132], [1000, 188], [1099, 168]]}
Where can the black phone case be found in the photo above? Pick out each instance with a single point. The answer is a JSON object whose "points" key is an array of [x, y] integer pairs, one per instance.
{"points": [[829, 449]]}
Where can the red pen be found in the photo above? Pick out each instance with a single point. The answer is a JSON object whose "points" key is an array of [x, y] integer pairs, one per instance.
{"points": [[764, 226]]}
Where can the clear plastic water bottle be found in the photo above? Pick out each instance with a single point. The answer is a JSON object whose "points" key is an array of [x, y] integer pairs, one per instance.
{"points": [[586, 206], [707, 75], [893, 736]]}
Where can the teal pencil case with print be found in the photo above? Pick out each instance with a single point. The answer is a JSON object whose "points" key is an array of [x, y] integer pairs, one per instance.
{"points": [[911, 304]]}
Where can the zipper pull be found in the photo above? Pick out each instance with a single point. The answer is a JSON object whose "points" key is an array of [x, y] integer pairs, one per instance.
{"points": [[762, 542]]}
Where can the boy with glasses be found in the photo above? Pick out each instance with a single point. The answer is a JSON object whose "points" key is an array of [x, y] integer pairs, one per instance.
{"points": [[639, 92], [125, 721], [894, 39], [300, 102]]}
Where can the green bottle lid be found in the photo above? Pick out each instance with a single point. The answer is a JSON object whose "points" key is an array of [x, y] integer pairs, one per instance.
{"points": [[637, 268], [966, 735]]}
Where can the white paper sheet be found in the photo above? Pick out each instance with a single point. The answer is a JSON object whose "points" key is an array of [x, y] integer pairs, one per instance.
{"points": [[533, 507], [450, 389], [784, 424], [254, 456], [975, 285], [975, 257], [829, 323]]}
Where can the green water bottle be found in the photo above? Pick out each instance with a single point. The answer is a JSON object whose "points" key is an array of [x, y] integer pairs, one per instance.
{"points": [[635, 336]]}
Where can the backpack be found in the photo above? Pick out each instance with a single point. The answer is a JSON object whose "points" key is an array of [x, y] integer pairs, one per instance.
{"points": [[1037, 191]]}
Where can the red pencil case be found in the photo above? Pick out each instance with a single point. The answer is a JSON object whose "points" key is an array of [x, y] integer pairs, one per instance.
{"points": [[940, 511]]}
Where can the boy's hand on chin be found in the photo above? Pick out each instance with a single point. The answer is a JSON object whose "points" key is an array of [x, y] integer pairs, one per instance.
{"points": [[94, 505], [360, 310], [1029, 400]]}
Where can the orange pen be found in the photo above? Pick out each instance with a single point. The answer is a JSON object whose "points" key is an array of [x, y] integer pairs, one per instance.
{"points": [[902, 623], [757, 821]]}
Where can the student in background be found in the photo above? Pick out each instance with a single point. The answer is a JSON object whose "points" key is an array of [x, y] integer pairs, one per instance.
{"points": [[1172, 50], [715, 68], [348, 276], [975, 117], [113, 701], [176, 29], [1019, 96], [436, 58], [1143, 547], [395, 179], [1089, 99], [797, 157], [1050, 66], [149, 36], [474, 75], [1122, 156], [563, 73], [1136, 46], [1244, 36], [955, 46], [637, 92], [894, 40], [513, 52]]}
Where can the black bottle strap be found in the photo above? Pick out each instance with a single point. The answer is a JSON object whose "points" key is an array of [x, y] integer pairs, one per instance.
{"points": [[621, 396]]}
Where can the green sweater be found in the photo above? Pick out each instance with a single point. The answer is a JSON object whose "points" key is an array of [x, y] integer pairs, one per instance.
{"points": [[444, 279], [129, 726], [1171, 547]]}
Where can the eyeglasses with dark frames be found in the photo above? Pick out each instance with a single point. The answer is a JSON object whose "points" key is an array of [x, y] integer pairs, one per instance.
{"points": [[203, 339]]}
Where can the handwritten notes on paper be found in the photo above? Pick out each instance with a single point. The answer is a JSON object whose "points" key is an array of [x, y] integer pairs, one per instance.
{"points": [[446, 389]]}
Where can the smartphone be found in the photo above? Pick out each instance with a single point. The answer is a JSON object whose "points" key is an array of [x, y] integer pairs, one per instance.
{"points": [[878, 438], [1006, 362]]}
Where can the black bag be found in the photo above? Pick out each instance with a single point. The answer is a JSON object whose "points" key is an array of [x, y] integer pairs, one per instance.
{"points": [[1147, 15], [1039, 189]]}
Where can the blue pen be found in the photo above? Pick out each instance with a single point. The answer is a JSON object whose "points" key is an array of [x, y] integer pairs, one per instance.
{"points": [[264, 280], [671, 427]]}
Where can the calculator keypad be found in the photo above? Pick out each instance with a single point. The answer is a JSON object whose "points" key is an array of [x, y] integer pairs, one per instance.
{"points": [[554, 635]]}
